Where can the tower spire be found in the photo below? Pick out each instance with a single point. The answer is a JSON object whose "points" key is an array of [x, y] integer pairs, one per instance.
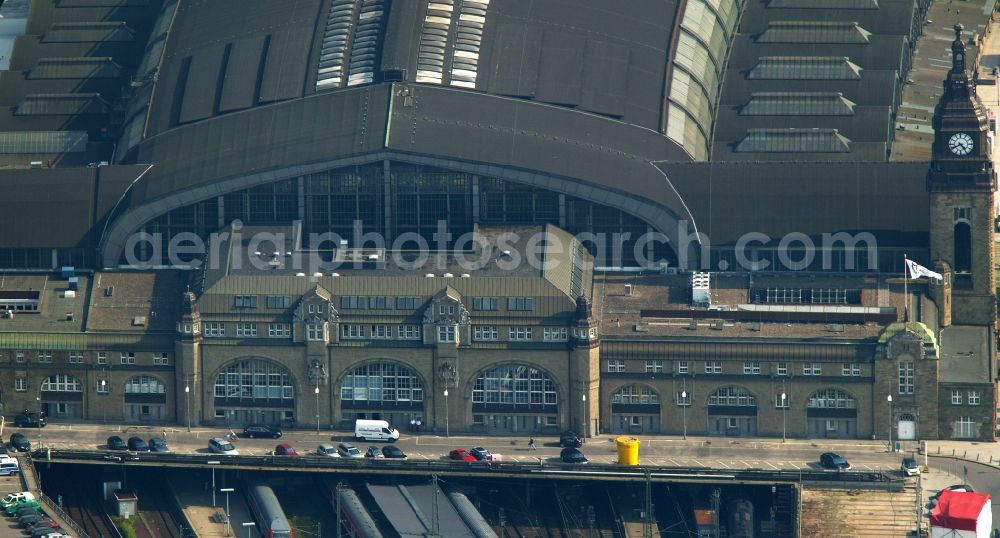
{"points": [[958, 51]]}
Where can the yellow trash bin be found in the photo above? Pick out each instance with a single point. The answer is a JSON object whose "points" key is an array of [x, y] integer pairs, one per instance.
{"points": [[628, 450]]}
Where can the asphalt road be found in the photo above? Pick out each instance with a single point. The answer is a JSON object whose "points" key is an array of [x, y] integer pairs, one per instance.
{"points": [[719, 453]]}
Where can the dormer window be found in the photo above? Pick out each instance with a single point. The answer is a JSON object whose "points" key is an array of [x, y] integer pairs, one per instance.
{"points": [[447, 334]]}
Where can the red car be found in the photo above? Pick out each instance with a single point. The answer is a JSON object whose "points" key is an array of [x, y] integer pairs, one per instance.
{"points": [[45, 523], [461, 454], [285, 449]]}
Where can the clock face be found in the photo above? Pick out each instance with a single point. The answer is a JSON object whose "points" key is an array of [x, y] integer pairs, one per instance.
{"points": [[960, 144]]}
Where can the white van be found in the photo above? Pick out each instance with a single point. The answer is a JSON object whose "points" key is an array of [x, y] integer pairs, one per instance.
{"points": [[9, 466], [374, 430]]}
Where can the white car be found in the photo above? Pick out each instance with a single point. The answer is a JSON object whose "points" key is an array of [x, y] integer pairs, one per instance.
{"points": [[327, 450], [221, 446], [348, 450], [12, 498]]}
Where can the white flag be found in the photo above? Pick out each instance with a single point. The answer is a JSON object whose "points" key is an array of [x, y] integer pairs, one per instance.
{"points": [[915, 270]]}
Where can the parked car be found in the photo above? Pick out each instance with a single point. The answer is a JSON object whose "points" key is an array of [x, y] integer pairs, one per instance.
{"points": [[29, 419], [262, 431], [9, 466], [221, 446], [138, 444], [44, 523], [910, 467], [393, 452], [157, 444], [953, 487], [572, 455], [41, 532], [116, 443], [570, 439], [374, 452], [482, 454], [832, 460], [327, 450], [461, 454], [285, 449], [28, 520], [11, 498], [348, 450], [25, 509], [24, 503], [19, 442]]}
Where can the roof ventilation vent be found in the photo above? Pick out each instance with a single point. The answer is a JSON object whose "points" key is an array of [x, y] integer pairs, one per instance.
{"points": [[429, 275], [693, 325], [835, 327], [139, 321], [718, 325], [300, 274], [317, 274], [641, 328], [448, 275], [628, 290], [334, 274], [109, 291], [69, 294], [466, 275], [755, 326]]}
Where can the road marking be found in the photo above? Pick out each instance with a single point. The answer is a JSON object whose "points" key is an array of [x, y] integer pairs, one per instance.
{"points": [[867, 466], [746, 464], [700, 464]]}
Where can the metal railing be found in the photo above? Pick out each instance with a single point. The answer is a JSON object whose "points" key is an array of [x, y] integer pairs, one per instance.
{"points": [[62, 514]]}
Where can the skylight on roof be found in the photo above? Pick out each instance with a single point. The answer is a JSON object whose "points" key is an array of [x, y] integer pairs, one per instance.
{"points": [[797, 104], [792, 140], [805, 68], [814, 32]]}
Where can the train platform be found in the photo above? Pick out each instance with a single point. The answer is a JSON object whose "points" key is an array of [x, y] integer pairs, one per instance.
{"points": [[194, 493]]}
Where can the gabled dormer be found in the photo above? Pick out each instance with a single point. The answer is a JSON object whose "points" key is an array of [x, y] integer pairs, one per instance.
{"points": [[313, 316], [446, 320]]}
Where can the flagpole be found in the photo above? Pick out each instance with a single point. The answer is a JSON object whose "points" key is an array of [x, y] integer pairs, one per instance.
{"points": [[906, 295]]}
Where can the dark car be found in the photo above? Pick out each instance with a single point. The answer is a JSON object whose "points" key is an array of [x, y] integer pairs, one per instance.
{"points": [[832, 460], [285, 449], [19, 442], [260, 430], [116, 443], [136, 444], [21, 511], [572, 455], [393, 451], [30, 519], [43, 524], [29, 420], [43, 531], [461, 454], [570, 439], [157, 444]]}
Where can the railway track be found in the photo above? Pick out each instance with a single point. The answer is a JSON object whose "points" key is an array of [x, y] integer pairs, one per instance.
{"points": [[83, 508], [154, 508]]}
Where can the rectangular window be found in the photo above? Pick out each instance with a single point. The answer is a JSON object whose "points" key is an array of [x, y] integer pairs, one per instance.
{"points": [[407, 303], [850, 369], [382, 332], [279, 330], [555, 334], [974, 397], [103, 387], [128, 357], [520, 303], [215, 330], [102, 357], [616, 366], [751, 367], [353, 302], [682, 367], [485, 303], [447, 333], [782, 368], [246, 329], [380, 302], [352, 331], [812, 368], [684, 398], [956, 397], [713, 367], [161, 359], [409, 332], [654, 366], [484, 333], [245, 301], [906, 378], [220, 413], [76, 357], [781, 403], [20, 384], [278, 301], [519, 333], [19, 356], [965, 428], [315, 332], [44, 356]]}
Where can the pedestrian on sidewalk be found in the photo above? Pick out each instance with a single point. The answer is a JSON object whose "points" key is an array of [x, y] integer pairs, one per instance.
{"points": [[531, 444]]}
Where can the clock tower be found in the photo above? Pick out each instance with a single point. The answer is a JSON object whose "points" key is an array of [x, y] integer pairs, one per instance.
{"points": [[962, 183]]}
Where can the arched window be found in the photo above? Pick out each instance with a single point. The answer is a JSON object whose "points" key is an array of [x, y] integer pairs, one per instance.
{"points": [[144, 384], [963, 247], [831, 399], [254, 379], [382, 381], [61, 383], [635, 394], [732, 396], [514, 384]]}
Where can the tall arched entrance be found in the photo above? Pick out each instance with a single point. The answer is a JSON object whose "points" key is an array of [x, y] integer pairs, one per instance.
{"points": [[635, 409], [382, 391], [145, 400], [254, 391], [62, 397], [732, 411], [515, 398], [832, 413]]}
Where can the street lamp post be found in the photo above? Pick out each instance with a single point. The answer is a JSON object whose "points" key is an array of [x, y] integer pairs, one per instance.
{"points": [[684, 411], [187, 396], [227, 491], [213, 464], [889, 399], [317, 408], [104, 408], [39, 400], [784, 415], [447, 427], [586, 425], [249, 525]]}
